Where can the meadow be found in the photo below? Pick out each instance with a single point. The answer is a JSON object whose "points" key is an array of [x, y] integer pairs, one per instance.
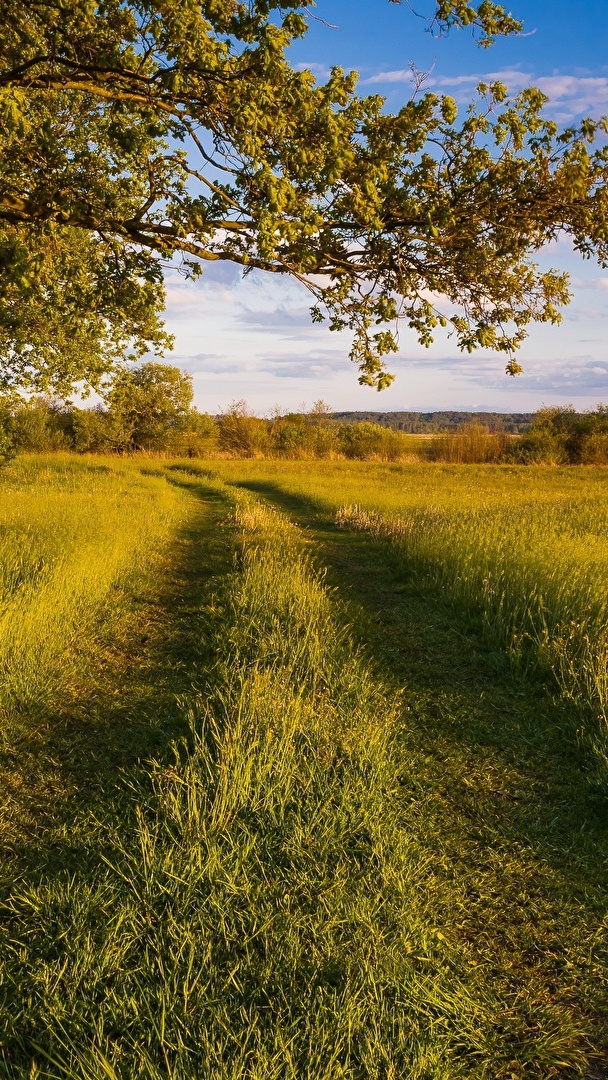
{"points": [[303, 769], [526, 549]]}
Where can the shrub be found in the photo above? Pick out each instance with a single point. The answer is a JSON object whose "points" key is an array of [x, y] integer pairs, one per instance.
{"points": [[38, 426], [301, 435], [195, 436], [95, 431], [368, 441], [561, 436], [594, 448], [241, 434]]}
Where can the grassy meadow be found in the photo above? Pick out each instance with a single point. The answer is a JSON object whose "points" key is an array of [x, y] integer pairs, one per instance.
{"points": [[304, 770], [525, 549], [67, 534]]}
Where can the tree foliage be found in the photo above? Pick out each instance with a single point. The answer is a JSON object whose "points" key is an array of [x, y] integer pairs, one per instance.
{"points": [[149, 408], [146, 408], [138, 132], [561, 436], [148, 402]]}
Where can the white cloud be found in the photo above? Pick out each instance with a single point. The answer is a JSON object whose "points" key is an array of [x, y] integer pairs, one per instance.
{"points": [[571, 95], [280, 365], [566, 376], [567, 86], [320, 71], [275, 320], [401, 75], [515, 80]]}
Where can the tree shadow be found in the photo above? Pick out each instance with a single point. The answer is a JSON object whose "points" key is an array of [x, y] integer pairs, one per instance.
{"points": [[496, 791], [504, 746]]}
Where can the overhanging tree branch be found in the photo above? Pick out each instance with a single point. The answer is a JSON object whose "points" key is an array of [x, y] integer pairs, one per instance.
{"points": [[373, 212]]}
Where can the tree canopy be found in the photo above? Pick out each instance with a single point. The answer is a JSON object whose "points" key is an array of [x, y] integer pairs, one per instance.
{"points": [[135, 133], [148, 401]]}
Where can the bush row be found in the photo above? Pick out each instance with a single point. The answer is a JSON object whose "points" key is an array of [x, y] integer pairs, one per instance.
{"points": [[150, 410]]}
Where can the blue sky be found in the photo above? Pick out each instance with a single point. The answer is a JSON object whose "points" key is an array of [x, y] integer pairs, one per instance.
{"points": [[253, 338]]}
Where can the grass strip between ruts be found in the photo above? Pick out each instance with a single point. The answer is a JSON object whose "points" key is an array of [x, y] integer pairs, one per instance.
{"points": [[261, 912]]}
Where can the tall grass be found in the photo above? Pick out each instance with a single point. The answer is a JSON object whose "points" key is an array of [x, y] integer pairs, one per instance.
{"points": [[473, 444], [69, 529], [538, 579], [265, 910], [291, 893], [527, 548]]}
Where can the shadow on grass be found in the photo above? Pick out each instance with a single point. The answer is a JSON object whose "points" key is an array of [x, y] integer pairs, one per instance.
{"points": [[495, 787], [505, 837], [150, 650], [501, 748]]}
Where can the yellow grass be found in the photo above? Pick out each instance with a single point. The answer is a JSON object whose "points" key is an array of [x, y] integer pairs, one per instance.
{"points": [[527, 547], [70, 529]]}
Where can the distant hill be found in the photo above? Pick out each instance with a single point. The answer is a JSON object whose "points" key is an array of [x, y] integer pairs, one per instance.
{"points": [[423, 423]]}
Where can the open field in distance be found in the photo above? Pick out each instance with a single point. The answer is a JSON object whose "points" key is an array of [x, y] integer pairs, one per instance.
{"points": [[304, 770]]}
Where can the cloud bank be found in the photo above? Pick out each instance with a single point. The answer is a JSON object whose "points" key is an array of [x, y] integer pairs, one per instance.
{"points": [[570, 96]]}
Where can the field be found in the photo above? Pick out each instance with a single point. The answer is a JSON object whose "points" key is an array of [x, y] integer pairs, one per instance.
{"points": [[304, 770]]}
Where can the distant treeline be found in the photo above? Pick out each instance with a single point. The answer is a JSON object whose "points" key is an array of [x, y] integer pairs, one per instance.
{"points": [[430, 423], [149, 410]]}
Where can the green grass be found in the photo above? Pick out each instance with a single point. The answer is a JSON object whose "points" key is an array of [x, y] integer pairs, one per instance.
{"points": [[524, 548], [373, 850], [69, 532]]}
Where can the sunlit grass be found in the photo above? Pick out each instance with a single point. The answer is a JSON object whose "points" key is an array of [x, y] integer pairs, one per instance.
{"points": [[263, 908], [330, 876], [68, 530], [525, 547]]}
